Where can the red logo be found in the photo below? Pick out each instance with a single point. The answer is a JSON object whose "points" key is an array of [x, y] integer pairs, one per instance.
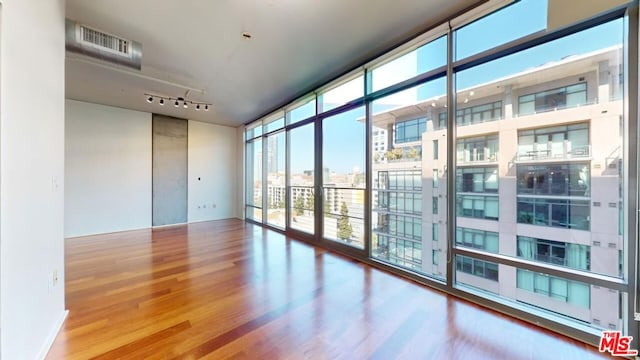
{"points": [[616, 344]]}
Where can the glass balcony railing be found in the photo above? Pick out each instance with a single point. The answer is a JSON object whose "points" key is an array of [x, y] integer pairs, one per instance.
{"points": [[554, 152]]}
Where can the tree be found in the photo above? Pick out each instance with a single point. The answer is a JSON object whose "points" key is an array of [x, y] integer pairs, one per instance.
{"points": [[345, 230], [310, 201], [298, 205]]}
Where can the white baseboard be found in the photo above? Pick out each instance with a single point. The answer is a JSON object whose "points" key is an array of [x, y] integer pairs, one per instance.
{"points": [[52, 336]]}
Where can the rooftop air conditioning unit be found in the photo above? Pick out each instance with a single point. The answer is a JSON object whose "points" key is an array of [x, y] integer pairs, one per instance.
{"points": [[100, 45]]}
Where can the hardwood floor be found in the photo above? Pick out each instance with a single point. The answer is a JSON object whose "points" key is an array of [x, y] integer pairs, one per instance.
{"points": [[227, 289]]}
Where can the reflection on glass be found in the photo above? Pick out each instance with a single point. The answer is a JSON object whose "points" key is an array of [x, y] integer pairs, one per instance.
{"points": [[425, 58], [343, 177], [301, 179], [409, 161], [342, 94], [276, 179]]}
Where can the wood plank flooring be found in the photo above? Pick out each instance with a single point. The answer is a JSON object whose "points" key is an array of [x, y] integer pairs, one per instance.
{"points": [[227, 289]]}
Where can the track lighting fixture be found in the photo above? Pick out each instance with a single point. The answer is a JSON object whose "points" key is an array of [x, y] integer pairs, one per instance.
{"points": [[177, 101]]}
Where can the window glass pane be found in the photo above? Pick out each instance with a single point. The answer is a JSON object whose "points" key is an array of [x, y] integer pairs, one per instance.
{"points": [[276, 191], [301, 111], [557, 170], [254, 174], [344, 179], [403, 190], [274, 125], [425, 58], [342, 94], [512, 22], [253, 130], [301, 179]]}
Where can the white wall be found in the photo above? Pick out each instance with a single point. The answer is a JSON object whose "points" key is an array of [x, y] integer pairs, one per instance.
{"points": [[107, 170], [212, 172], [31, 175]]}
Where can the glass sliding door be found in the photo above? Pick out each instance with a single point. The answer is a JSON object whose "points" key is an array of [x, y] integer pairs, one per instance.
{"points": [[301, 178], [343, 177]]}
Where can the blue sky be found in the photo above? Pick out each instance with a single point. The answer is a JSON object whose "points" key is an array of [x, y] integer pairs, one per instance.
{"points": [[344, 135]]}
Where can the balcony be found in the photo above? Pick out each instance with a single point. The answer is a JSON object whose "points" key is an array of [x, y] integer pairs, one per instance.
{"points": [[476, 156], [553, 153]]}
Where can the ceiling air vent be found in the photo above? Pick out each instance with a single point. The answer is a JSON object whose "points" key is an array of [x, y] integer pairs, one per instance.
{"points": [[101, 45]]}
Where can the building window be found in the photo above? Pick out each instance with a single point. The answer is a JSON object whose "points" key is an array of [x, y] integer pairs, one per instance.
{"points": [[442, 120], [572, 292], [400, 226], [480, 268], [434, 231], [479, 114], [435, 178], [400, 180], [400, 202], [556, 179], [481, 207], [570, 214], [402, 252], [477, 239], [434, 256], [435, 149], [480, 180], [410, 130], [558, 142], [560, 98], [475, 149], [434, 205], [554, 252]]}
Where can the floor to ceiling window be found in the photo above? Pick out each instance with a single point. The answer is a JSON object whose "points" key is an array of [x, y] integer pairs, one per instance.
{"points": [[343, 180], [521, 203]]}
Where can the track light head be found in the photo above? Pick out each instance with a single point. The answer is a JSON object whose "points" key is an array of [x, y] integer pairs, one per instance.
{"points": [[176, 101]]}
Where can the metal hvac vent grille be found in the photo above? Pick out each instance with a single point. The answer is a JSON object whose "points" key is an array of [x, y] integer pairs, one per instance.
{"points": [[104, 41]]}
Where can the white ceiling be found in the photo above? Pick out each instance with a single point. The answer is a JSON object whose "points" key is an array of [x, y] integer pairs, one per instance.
{"points": [[296, 45]]}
